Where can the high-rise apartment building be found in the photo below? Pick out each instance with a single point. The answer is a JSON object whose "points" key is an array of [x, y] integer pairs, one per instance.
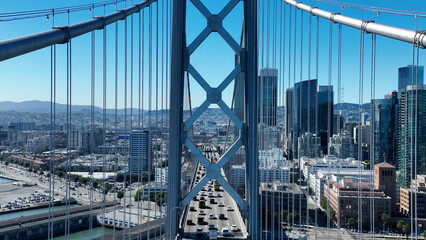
{"points": [[309, 145], [140, 155], [384, 127], [289, 111], [408, 75], [304, 106], [267, 96], [325, 115], [342, 146], [411, 133]]}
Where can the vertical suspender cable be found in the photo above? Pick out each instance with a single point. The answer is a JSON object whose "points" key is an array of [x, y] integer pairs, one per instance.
{"points": [[104, 190], [260, 108], [138, 195], [149, 110], [298, 111], [92, 126], [416, 136], [411, 98], [161, 156], [282, 64], [92, 130], [309, 112], [131, 119], [360, 100], [330, 59], [115, 131], [372, 136], [125, 130], [69, 93], [308, 97], [52, 134], [316, 111], [156, 105], [292, 120], [339, 78]]}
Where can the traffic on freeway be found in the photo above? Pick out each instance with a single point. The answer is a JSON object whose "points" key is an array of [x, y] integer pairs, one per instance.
{"points": [[212, 212]]}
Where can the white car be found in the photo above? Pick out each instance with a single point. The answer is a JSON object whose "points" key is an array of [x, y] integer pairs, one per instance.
{"points": [[220, 204], [234, 228], [228, 208], [211, 216]]}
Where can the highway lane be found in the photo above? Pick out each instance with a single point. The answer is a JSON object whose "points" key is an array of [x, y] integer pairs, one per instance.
{"points": [[208, 192]]}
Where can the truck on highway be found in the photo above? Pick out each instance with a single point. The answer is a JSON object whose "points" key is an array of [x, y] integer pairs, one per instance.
{"points": [[202, 204], [213, 234]]}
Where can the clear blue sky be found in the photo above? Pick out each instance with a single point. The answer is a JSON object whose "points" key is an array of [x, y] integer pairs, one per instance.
{"points": [[28, 77]]}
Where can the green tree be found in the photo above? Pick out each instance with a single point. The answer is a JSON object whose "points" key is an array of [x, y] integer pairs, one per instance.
{"points": [[386, 220], [399, 224], [61, 174], [27, 165], [144, 178], [352, 222], [120, 195], [406, 228], [323, 202], [84, 181], [6, 163], [138, 195]]}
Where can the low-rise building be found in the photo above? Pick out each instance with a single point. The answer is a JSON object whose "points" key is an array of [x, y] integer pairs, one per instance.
{"points": [[328, 163], [237, 175], [347, 196], [286, 200], [405, 197]]}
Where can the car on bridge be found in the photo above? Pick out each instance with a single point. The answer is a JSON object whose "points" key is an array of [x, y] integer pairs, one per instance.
{"points": [[225, 231], [199, 231]]}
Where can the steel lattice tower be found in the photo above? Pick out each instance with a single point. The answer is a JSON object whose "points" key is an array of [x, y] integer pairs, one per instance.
{"points": [[180, 63]]}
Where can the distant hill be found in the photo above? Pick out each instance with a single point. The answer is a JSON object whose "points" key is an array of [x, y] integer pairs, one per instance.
{"points": [[44, 107]]}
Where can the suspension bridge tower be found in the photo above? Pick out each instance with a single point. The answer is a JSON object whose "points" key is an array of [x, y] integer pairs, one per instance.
{"points": [[180, 65]]}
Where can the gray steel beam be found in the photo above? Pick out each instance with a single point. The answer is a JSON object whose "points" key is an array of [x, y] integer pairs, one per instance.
{"points": [[17, 46], [401, 34], [250, 133], [176, 116]]}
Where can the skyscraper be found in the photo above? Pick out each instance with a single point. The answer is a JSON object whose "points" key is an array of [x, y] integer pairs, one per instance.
{"points": [[384, 127], [411, 133], [407, 76], [325, 115], [140, 156], [304, 106], [289, 111], [267, 96]]}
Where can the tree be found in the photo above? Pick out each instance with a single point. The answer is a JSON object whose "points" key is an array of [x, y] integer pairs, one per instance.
{"points": [[399, 224], [84, 181], [323, 202], [352, 222], [144, 178], [7, 163], [386, 220], [406, 228], [138, 195], [120, 195]]}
